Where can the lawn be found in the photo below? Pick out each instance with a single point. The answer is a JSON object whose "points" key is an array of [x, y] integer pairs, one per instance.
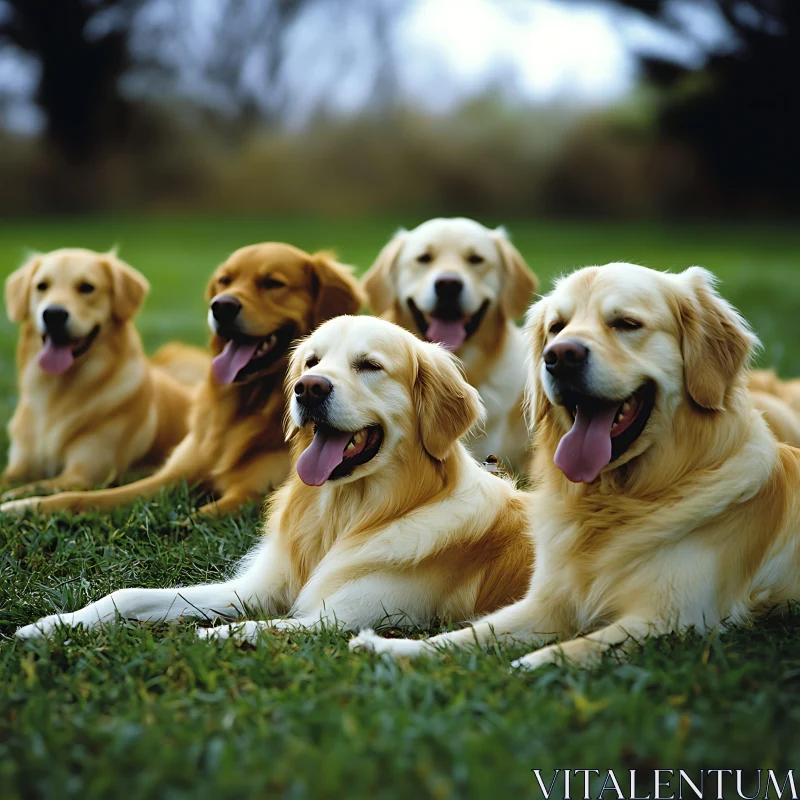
{"points": [[151, 712]]}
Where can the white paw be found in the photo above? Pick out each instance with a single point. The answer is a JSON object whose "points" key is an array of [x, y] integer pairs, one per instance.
{"points": [[40, 629], [368, 641], [16, 507], [538, 659], [239, 632]]}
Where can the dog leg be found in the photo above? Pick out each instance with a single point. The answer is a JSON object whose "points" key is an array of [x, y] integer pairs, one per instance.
{"points": [[526, 620], [261, 585], [249, 632], [589, 649], [186, 463], [227, 504]]}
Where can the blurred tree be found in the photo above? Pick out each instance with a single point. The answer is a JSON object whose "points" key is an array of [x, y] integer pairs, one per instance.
{"points": [[741, 113], [82, 48]]}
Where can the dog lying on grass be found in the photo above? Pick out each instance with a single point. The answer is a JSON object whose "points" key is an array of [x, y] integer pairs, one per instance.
{"points": [[91, 405], [662, 502], [387, 518], [455, 282], [260, 300]]}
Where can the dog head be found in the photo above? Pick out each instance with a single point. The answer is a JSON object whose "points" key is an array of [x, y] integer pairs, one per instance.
{"points": [[266, 295], [71, 296], [448, 276], [364, 393], [617, 349]]}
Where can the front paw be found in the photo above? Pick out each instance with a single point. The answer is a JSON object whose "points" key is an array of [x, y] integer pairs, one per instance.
{"points": [[40, 629], [538, 659], [240, 632], [368, 641], [18, 508]]}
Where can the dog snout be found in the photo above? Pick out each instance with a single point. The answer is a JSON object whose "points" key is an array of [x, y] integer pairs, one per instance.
{"points": [[311, 391], [448, 287], [55, 318], [225, 308], [566, 359]]}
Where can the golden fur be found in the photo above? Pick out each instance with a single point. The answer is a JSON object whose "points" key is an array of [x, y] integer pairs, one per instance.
{"points": [[696, 525], [780, 403], [493, 354], [235, 444], [111, 409], [419, 531]]}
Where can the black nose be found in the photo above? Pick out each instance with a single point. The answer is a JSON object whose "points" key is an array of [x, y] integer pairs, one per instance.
{"points": [[55, 318], [225, 308], [311, 391], [565, 358], [448, 287]]}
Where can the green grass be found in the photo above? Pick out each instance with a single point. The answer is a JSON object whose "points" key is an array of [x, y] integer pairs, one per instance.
{"points": [[151, 712]]}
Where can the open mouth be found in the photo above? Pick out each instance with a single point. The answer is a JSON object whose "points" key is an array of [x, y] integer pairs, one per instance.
{"points": [[602, 431], [245, 356], [58, 354], [449, 330], [335, 454]]}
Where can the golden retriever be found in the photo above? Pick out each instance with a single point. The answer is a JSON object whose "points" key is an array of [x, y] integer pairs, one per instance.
{"points": [[91, 406], [260, 300], [387, 517], [663, 502], [455, 282]]}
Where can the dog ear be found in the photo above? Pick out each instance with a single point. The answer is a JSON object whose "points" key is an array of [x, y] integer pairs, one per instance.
{"points": [[447, 406], [335, 290], [294, 370], [717, 343], [536, 402], [128, 287], [520, 281], [377, 281], [18, 289]]}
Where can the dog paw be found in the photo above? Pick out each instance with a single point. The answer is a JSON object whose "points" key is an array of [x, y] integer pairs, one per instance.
{"points": [[368, 641], [15, 507], [538, 659], [239, 632], [40, 629]]}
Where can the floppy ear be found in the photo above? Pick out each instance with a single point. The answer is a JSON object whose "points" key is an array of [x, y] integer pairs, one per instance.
{"points": [[377, 281], [128, 287], [18, 290], [447, 406], [520, 281], [335, 289], [536, 402], [293, 372], [717, 343]]}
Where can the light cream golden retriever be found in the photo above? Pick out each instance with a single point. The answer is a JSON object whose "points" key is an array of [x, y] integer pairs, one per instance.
{"points": [[387, 517], [261, 299], [455, 282], [663, 501], [91, 405]]}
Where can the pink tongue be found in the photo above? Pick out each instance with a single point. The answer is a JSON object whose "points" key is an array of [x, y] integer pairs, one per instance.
{"points": [[586, 449], [55, 359], [226, 366], [449, 334], [322, 457]]}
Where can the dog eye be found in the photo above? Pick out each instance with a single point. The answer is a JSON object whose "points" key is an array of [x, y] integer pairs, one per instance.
{"points": [[557, 327], [225, 280], [474, 258], [42, 287], [626, 325], [368, 366], [270, 283], [85, 288], [311, 361], [425, 258]]}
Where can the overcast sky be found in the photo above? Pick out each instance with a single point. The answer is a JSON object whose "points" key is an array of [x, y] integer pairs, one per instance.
{"points": [[446, 50]]}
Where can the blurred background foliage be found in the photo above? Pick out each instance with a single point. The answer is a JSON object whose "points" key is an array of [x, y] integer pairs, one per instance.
{"points": [[335, 108]]}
